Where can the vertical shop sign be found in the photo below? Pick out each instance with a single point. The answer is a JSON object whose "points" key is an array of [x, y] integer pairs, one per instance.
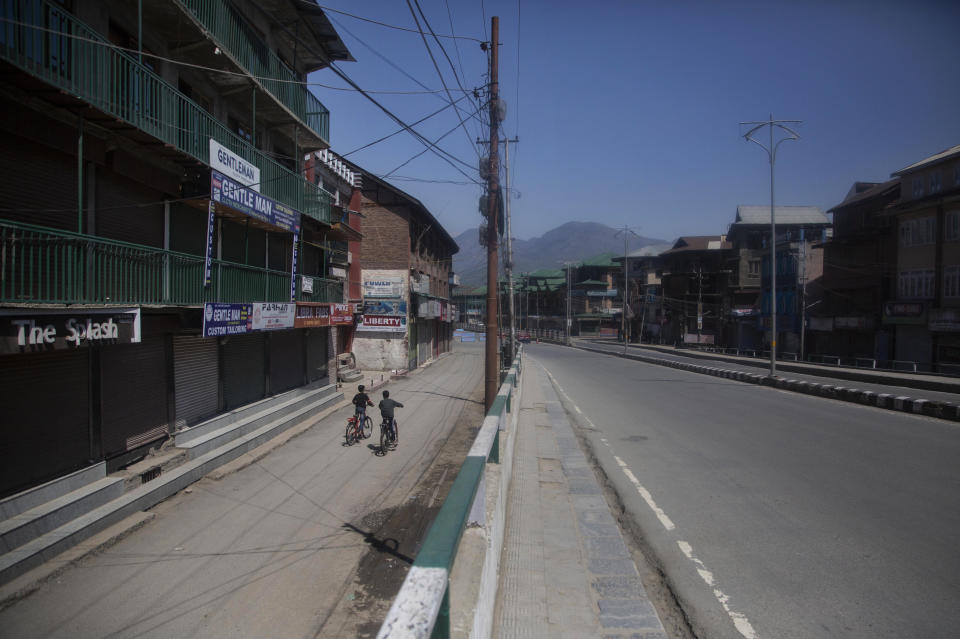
{"points": [[211, 209]]}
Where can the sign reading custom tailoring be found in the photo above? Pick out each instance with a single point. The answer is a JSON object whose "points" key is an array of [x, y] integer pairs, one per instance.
{"points": [[221, 320]]}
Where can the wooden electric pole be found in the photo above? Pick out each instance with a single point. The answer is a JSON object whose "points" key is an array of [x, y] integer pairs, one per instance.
{"points": [[492, 360]]}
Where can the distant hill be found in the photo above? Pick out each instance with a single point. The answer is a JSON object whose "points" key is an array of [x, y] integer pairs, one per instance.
{"points": [[569, 242]]}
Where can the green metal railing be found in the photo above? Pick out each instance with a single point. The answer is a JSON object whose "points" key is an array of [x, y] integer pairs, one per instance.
{"points": [[232, 35], [45, 41], [47, 266]]}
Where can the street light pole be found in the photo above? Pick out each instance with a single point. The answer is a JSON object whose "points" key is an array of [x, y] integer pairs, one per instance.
{"points": [[771, 150], [626, 230]]}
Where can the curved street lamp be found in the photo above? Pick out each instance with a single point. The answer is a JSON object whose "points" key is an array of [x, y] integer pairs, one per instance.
{"points": [[771, 149]]}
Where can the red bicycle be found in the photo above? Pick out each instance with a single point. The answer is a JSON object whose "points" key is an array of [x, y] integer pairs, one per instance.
{"points": [[359, 426]]}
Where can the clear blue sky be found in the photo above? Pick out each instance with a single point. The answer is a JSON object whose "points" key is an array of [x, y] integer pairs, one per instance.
{"points": [[628, 112]]}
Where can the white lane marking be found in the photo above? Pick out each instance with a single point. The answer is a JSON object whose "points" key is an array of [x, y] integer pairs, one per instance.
{"points": [[740, 621], [647, 497], [577, 408]]}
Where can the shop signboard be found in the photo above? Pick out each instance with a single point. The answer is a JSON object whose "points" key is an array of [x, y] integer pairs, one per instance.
{"points": [[383, 286], [232, 165], [222, 320], [383, 323], [610, 292], [905, 313], [228, 192], [428, 309], [312, 316], [38, 330], [420, 284], [944, 319], [386, 307], [272, 316], [341, 314]]}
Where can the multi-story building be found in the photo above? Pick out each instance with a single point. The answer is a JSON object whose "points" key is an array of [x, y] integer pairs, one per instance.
{"points": [[925, 311], [406, 260], [644, 292], [594, 296], [341, 242], [859, 268], [155, 221], [693, 281], [800, 230]]}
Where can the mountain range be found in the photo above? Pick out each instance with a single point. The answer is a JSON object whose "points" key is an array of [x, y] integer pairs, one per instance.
{"points": [[569, 242]]}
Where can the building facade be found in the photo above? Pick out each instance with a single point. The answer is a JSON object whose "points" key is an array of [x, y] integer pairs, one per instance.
{"points": [[406, 260], [154, 253]]}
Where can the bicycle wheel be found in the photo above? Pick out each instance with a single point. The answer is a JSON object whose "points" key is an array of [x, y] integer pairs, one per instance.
{"points": [[384, 439], [351, 435], [367, 427]]}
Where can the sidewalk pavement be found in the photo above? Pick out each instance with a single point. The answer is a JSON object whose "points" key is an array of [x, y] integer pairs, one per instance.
{"points": [[566, 570]]}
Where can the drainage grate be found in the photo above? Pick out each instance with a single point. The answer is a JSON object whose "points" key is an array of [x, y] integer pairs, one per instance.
{"points": [[149, 475]]}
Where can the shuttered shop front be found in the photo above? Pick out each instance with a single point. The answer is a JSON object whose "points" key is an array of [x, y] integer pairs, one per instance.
{"points": [[317, 363], [195, 368], [243, 370], [286, 360], [133, 395], [44, 430]]}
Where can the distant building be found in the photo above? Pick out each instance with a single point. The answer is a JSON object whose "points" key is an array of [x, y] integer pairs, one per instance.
{"points": [[924, 310], [693, 282], [859, 275], [800, 231]]}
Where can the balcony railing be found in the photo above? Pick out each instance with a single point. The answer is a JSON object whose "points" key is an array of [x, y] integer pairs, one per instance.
{"points": [[46, 266], [228, 30], [45, 41]]}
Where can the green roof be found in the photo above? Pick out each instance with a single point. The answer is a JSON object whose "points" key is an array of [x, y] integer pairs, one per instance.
{"points": [[590, 283], [546, 273], [604, 259]]}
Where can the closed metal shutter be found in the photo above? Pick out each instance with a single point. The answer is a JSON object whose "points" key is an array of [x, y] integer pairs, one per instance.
{"points": [[243, 370], [29, 167], [286, 360], [424, 335], [196, 379], [317, 357], [133, 395], [123, 212], [45, 408]]}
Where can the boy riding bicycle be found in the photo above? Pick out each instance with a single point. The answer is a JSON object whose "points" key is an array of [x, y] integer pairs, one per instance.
{"points": [[361, 400], [386, 412]]}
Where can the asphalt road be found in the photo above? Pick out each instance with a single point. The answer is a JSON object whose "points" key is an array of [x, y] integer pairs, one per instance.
{"points": [[775, 514], [311, 541], [819, 374]]}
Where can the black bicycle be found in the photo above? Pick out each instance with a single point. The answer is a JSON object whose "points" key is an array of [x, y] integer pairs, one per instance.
{"points": [[388, 435]]}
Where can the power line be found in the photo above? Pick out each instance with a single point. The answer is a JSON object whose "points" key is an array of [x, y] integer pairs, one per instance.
{"points": [[384, 24], [401, 130], [449, 61], [441, 153]]}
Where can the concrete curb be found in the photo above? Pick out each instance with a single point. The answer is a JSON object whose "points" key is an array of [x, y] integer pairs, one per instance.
{"points": [[917, 406]]}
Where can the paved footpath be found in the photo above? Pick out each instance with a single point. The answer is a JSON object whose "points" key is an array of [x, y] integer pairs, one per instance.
{"points": [[567, 571]]}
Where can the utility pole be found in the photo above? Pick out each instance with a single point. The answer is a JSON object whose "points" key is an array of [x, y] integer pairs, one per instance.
{"points": [[492, 361], [568, 266], [699, 302], [513, 323], [626, 230], [789, 134]]}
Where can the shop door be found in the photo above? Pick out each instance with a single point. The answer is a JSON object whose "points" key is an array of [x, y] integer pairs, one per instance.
{"points": [[286, 360], [133, 395], [45, 400], [317, 354], [243, 371], [412, 344], [196, 379]]}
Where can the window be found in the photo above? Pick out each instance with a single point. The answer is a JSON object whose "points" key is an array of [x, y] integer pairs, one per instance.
{"points": [[240, 128], [918, 231], [952, 225], [935, 182], [918, 187], [951, 281], [753, 267], [956, 174], [915, 284]]}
